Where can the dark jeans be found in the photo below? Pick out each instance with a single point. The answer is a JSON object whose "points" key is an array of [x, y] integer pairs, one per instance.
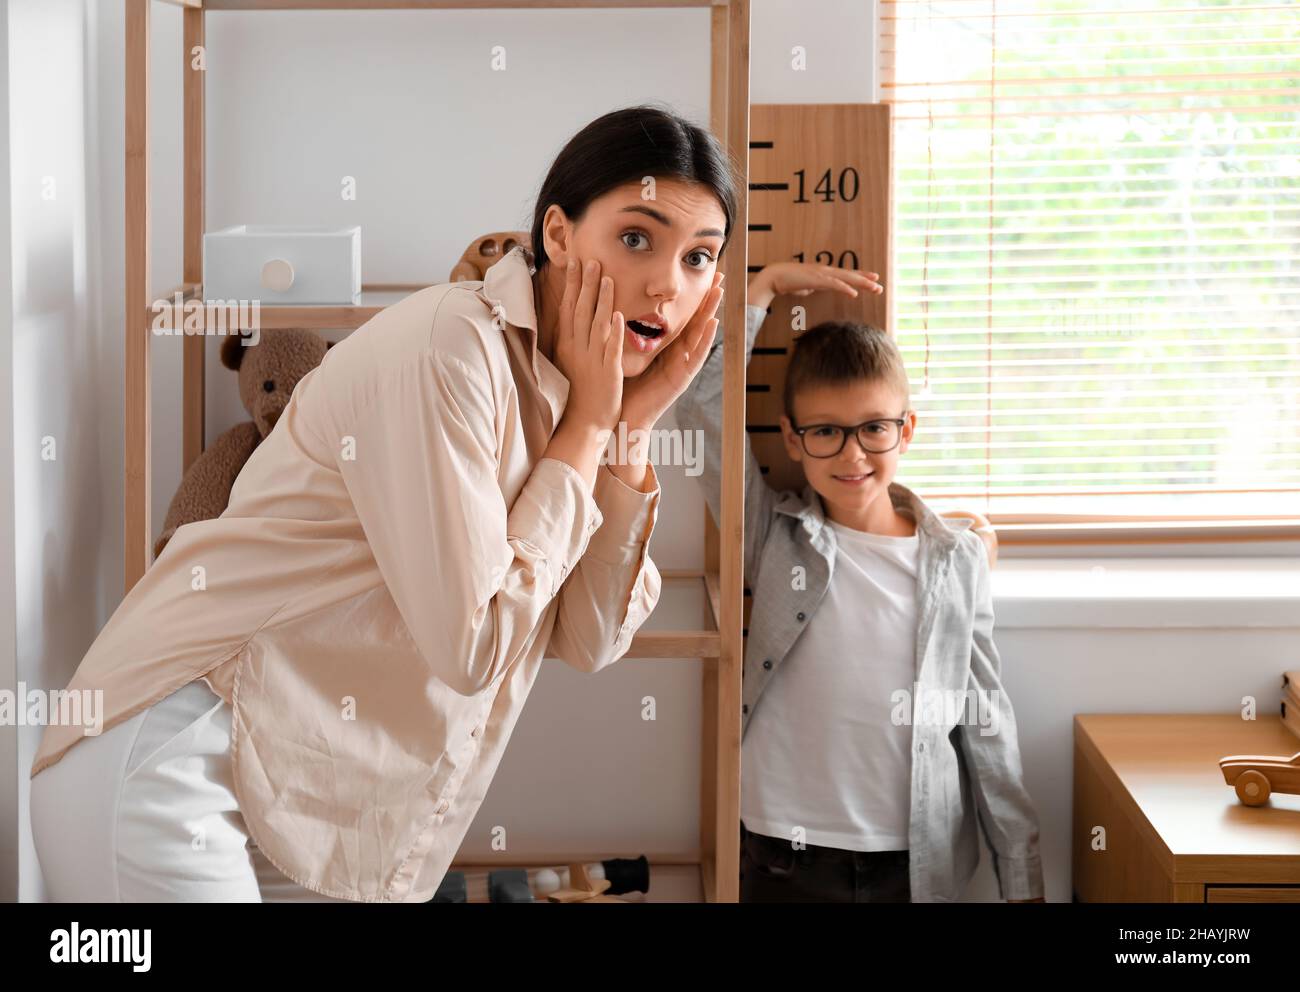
{"points": [[771, 870]]}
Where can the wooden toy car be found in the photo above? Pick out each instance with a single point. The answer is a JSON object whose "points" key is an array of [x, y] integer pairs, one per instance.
{"points": [[584, 887], [1256, 776]]}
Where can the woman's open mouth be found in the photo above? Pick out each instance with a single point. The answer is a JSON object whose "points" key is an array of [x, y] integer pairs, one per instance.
{"points": [[645, 336]]}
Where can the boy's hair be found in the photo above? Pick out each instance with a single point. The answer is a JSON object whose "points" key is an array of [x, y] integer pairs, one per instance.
{"points": [[839, 352]]}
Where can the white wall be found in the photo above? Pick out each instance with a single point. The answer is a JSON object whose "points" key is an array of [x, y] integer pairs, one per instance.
{"points": [[443, 149]]}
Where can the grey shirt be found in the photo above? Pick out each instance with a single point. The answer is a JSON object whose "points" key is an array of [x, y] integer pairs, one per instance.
{"points": [[965, 756]]}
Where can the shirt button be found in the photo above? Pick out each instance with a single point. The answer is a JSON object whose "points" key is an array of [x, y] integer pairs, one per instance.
{"points": [[444, 806], [476, 731], [767, 663], [920, 747], [800, 615]]}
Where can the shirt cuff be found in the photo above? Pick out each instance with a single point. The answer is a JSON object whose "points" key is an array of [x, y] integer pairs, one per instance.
{"points": [[1020, 878], [629, 516], [556, 515]]}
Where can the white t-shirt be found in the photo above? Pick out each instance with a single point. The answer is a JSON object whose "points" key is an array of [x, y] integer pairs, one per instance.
{"points": [[821, 751]]}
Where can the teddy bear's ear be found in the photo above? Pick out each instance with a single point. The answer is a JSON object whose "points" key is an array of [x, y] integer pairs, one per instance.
{"points": [[232, 350]]}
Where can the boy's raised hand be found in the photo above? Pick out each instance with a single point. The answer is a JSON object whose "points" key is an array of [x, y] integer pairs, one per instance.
{"points": [[802, 278]]}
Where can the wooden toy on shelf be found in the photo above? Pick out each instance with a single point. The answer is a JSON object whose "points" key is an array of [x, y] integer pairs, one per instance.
{"points": [[486, 251], [584, 887]]}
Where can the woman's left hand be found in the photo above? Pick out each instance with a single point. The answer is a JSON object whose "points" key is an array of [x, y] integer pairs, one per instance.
{"points": [[649, 395]]}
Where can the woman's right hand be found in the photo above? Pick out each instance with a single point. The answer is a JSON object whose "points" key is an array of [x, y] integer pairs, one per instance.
{"points": [[589, 346]]}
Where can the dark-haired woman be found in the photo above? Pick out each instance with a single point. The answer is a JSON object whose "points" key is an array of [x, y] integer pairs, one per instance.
{"points": [[307, 697]]}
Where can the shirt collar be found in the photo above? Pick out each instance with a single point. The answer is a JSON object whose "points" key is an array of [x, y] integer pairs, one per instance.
{"points": [[807, 508], [508, 289]]}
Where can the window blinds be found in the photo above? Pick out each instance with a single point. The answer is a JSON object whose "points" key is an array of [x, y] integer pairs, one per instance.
{"points": [[1095, 275]]}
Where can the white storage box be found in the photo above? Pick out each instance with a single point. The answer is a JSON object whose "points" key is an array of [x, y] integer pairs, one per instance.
{"points": [[278, 265]]}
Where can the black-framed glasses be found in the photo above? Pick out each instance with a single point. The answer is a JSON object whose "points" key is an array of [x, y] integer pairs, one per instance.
{"points": [[827, 440]]}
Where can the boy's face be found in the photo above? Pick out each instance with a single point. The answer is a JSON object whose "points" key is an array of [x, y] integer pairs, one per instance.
{"points": [[846, 406]]}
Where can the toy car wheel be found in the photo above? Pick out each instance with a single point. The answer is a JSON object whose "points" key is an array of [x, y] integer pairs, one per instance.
{"points": [[1253, 788]]}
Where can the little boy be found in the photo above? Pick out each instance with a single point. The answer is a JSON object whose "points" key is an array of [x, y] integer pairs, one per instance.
{"points": [[874, 723]]}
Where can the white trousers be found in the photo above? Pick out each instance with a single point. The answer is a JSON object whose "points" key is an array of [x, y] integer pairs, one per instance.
{"points": [[146, 812]]}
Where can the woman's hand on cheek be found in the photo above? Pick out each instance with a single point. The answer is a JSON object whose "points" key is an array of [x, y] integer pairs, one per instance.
{"points": [[589, 345], [649, 395]]}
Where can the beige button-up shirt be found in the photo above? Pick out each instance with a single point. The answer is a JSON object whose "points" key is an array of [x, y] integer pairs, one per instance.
{"points": [[375, 603]]}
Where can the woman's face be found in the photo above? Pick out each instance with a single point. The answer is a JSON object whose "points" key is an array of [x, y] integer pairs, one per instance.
{"points": [[661, 252]]}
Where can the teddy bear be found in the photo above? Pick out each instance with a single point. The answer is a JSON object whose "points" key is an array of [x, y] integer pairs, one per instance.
{"points": [[268, 372]]}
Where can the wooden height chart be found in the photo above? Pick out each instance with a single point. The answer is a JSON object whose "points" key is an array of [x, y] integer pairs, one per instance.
{"points": [[819, 181]]}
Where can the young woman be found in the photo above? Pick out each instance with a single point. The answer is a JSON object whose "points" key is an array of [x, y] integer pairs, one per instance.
{"points": [[307, 697]]}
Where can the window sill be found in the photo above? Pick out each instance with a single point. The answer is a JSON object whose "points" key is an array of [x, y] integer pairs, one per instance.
{"points": [[1149, 593]]}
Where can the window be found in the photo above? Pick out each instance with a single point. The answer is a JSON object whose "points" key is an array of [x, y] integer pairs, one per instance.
{"points": [[1095, 271]]}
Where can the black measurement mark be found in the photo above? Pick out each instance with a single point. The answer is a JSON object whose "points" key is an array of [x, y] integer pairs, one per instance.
{"points": [[757, 387], [763, 428], [768, 351], [760, 144], [769, 186], [760, 227]]}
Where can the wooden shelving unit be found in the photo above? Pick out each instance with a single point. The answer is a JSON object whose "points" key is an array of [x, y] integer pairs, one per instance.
{"points": [[717, 642]]}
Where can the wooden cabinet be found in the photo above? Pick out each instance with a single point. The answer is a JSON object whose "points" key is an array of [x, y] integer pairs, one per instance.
{"points": [[1154, 821]]}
